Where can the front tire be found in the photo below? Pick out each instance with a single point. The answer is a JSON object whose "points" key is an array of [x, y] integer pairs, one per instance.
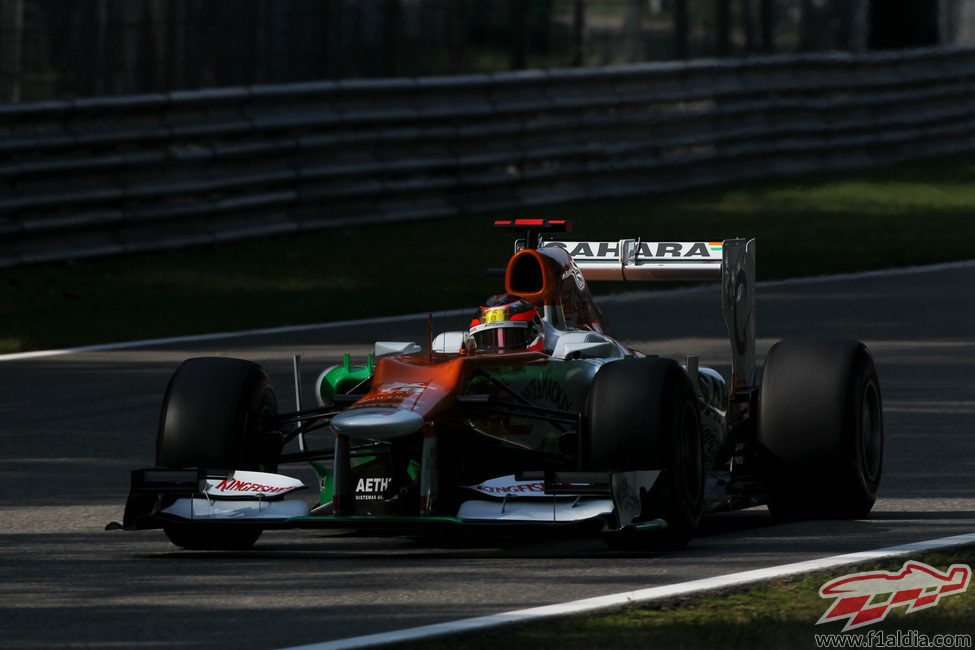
{"points": [[213, 537], [642, 414], [820, 430], [213, 417]]}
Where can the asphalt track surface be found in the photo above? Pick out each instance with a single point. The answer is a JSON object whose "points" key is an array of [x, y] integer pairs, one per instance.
{"points": [[72, 426]]}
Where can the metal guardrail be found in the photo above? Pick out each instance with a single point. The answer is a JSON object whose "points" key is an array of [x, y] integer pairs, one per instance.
{"points": [[123, 174]]}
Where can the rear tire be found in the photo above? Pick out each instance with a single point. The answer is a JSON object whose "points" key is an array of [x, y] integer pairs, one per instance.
{"points": [[642, 414], [820, 430], [213, 417]]}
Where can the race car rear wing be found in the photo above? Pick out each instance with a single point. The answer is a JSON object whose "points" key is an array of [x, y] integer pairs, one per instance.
{"points": [[731, 261], [634, 259]]}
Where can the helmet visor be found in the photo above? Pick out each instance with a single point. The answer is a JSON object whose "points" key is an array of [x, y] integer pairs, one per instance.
{"points": [[513, 336]]}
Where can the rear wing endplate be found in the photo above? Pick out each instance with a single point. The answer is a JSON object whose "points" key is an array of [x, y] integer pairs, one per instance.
{"points": [[731, 261]]}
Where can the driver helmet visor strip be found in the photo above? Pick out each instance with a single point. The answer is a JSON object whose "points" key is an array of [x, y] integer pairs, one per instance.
{"points": [[512, 325], [504, 335]]}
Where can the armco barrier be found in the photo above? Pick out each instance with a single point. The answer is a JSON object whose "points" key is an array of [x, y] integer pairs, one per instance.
{"points": [[121, 174]]}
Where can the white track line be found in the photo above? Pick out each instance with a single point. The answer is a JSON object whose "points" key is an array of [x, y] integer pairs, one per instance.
{"points": [[199, 338], [614, 298], [612, 601]]}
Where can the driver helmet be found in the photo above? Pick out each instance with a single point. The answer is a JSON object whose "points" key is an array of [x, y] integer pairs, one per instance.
{"points": [[507, 322]]}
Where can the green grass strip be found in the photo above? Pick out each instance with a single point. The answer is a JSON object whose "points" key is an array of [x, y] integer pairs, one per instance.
{"points": [[914, 213], [775, 614]]}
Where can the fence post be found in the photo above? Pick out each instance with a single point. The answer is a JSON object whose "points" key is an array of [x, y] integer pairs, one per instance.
{"points": [[11, 42]]}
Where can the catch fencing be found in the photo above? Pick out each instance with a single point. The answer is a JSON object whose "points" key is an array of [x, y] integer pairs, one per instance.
{"points": [[123, 174]]}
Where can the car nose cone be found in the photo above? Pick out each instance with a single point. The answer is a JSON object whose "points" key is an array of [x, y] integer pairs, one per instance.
{"points": [[377, 423]]}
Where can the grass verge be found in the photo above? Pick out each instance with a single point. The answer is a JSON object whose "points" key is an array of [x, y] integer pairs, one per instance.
{"points": [[776, 614], [914, 213]]}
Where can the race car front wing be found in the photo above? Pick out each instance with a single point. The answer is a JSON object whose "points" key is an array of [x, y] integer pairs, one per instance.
{"points": [[602, 501]]}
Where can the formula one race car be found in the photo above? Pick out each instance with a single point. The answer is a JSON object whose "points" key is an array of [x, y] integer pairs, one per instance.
{"points": [[535, 417]]}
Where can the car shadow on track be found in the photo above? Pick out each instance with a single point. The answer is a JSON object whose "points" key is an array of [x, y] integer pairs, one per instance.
{"points": [[722, 523], [731, 531]]}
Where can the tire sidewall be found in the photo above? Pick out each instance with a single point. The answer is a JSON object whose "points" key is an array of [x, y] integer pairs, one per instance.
{"points": [[867, 465]]}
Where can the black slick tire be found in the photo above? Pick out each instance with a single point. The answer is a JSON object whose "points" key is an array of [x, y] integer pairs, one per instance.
{"points": [[820, 430], [642, 414], [213, 537], [213, 417]]}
